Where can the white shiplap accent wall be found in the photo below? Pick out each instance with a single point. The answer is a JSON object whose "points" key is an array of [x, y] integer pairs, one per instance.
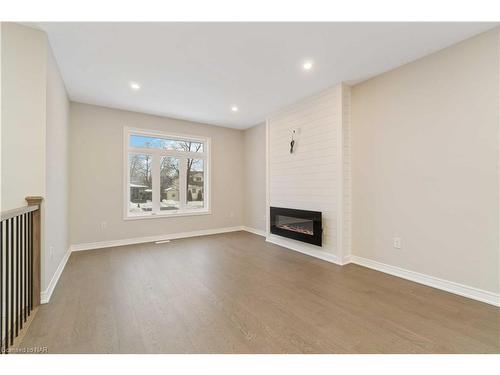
{"points": [[312, 178]]}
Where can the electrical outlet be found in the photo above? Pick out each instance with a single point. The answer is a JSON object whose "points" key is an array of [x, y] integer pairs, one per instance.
{"points": [[103, 225], [51, 251], [231, 214], [396, 242]]}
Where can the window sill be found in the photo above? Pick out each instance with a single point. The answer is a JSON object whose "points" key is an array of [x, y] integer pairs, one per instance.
{"points": [[168, 215]]}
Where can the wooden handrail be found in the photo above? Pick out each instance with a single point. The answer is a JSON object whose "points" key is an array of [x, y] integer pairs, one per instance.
{"points": [[18, 211]]}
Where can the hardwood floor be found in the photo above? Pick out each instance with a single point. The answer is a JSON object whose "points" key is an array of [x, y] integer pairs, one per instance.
{"points": [[235, 293]]}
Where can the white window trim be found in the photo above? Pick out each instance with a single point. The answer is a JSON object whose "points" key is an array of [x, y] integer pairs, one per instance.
{"points": [[157, 154]]}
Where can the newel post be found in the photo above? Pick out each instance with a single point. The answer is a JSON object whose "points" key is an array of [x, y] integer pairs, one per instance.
{"points": [[37, 246]]}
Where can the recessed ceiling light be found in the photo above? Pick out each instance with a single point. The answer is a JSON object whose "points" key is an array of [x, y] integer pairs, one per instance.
{"points": [[135, 86], [307, 65], [234, 108]]}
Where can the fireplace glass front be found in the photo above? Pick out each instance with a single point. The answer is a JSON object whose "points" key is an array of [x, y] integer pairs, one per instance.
{"points": [[300, 225]]}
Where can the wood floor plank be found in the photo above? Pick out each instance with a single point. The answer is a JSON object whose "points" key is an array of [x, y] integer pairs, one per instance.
{"points": [[236, 293]]}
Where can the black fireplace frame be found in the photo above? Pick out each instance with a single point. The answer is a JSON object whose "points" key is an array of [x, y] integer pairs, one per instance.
{"points": [[315, 239]]}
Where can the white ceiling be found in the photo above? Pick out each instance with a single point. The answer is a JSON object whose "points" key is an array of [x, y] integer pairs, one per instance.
{"points": [[198, 71]]}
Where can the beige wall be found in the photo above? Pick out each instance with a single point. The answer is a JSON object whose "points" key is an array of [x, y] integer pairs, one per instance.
{"points": [[96, 176], [24, 66], [254, 167], [35, 137], [426, 164], [56, 218]]}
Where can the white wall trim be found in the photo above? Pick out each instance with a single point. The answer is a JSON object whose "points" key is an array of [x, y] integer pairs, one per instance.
{"points": [[340, 173], [47, 293], [498, 135], [136, 240], [347, 259], [449, 286], [346, 200], [304, 249], [268, 179], [256, 231]]}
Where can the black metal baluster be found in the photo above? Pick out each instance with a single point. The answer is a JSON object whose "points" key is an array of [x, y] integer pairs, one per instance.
{"points": [[21, 278], [31, 263], [17, 275], [12, 282], [28, 262], [16, 278], [21, 294], [25, 266], [27, 250], [7, 278], [1, 287]]}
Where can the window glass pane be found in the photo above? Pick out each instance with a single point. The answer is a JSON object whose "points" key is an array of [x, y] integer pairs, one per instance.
{"points": [[195, 183], [140, 183], [169, 183], [165, 144]]}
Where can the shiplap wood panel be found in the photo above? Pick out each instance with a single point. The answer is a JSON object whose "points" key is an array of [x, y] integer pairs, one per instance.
{"points": [[317, 176], [308, 179]]}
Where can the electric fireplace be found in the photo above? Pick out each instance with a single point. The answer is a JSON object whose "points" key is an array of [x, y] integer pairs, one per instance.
{"points": [[300, 225]]}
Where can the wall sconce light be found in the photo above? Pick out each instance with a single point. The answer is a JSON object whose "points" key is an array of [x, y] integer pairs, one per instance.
{"points": [[292, 142]]}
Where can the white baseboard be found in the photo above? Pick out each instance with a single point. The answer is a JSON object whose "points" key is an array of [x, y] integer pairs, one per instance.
{"points": [[47, 293], [136, 240], [449, 286], [347, 259], [304, 249], [259, 232]]}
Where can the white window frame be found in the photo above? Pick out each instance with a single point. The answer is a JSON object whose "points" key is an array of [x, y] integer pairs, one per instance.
{"points": [[156, 154]]}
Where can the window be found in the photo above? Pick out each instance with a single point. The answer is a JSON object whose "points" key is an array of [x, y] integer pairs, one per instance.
{"points": [[165, 174]]}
